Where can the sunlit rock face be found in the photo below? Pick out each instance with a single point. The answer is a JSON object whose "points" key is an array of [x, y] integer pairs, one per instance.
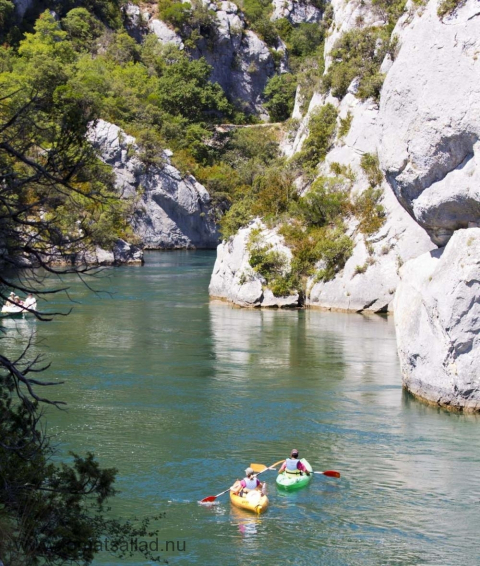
{"points": [[171, 210], [296, 12], [430, 114], [370, 276], [437, 320], [234, 280]]}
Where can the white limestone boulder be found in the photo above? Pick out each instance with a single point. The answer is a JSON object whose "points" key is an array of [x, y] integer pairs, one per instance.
{"points": [[164, 33], [437, 320]]}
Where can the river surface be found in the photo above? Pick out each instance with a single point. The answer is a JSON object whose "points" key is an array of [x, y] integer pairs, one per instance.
{"points": [[181, 394]]}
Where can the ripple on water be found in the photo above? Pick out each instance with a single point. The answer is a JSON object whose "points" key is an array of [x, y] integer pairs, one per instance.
{"points": [[181, 395]]}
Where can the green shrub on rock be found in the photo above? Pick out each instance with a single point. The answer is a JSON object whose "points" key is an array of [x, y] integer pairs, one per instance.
{"points": [[321, 127], [280, 95], [271, 264], [447, 7], [358, 53]]}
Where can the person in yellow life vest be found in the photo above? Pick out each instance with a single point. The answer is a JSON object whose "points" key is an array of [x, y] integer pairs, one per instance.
{"points": [[293, 465], [249, 483]]}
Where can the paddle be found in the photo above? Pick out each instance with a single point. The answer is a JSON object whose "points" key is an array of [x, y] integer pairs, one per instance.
{"points": [[260, 468], [329, 473], [211, 498]]}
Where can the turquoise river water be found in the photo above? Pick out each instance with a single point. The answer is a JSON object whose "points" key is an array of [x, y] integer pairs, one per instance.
{"points": [[181, 394]]}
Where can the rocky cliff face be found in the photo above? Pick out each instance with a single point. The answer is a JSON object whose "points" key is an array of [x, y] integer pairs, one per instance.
{"points": [[430, 114], [437, 319], [425, 130], [381, 254], [234, 280], [241, 61], [171, 211], [296, 12]]}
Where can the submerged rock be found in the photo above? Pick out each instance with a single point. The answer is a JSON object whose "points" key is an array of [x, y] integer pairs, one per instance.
{"points": [[437, 320], [171, 210]]}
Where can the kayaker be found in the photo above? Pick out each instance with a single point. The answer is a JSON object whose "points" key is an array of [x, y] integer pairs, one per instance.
{"points": [[293, 465], [249, 483]]}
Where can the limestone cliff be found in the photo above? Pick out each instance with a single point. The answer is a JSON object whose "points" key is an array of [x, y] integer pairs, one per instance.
{"points": [[241, 61], [437, 314], [430, 114], [171, 211]]}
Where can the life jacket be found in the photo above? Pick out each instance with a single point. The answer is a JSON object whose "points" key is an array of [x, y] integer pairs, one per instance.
{"points": [[291, 467], [250, 483]]}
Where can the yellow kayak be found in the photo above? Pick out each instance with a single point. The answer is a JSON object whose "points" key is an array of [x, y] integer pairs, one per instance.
{"points": [[253, 501]]}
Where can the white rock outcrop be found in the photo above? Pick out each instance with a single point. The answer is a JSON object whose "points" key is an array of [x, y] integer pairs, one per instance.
{"points": [[164, 33], [296, 12], [122, 253], [437, 320], [172, 211], [430, 114], [234, 280]]}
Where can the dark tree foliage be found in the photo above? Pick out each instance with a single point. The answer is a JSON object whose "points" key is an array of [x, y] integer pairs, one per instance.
{"points": [[56, 202]]}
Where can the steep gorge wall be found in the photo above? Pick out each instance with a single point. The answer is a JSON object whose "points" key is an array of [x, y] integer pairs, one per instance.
{"points": [[430, 115], [425, 130], [171, 211]]}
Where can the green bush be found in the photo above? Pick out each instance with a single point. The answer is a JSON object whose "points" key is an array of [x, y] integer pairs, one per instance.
{"points": [[280, 95], [391, 9], [7, 11], [334, 250], [271, 264], [273, 191], [184, 89], [371, 166], [449, 6], [175, 13], [358, 53], [239, 215], [345, 124], [321, 129], [368, 210], [326, 201], [266, 30], [254, 10], [304, 39]]}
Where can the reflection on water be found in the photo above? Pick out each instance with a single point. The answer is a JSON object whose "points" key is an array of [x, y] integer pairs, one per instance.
{"points": [[181, 394], [18, 329]]}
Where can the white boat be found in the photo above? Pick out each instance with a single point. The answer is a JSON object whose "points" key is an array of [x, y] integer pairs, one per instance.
{"points": [[11, 307]]}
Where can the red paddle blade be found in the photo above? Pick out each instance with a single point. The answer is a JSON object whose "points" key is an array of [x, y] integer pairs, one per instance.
{"points": [[332, 473], [209, 499]]}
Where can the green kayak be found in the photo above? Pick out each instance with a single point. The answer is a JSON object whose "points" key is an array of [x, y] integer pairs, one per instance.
{"points": [[290, 482]]}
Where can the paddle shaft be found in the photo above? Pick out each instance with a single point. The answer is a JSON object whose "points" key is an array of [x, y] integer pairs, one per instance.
{"points": [[260, 468]]}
